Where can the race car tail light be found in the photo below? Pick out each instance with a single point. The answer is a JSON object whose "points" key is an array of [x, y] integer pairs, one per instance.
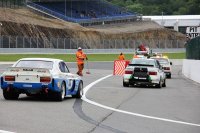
{"points": [[45, 79], [9, 78], [152, 73], [128, 72], [166, 68]]}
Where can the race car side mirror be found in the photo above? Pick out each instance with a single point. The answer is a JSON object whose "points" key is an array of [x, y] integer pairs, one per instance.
{"points": [[170, 63]]}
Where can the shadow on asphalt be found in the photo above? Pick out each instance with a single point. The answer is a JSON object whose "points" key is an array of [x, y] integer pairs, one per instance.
{"points": [[41, 99]]}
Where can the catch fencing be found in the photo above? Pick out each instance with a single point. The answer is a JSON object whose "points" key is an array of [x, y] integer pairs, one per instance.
{"points": [[74, 43], [12, 3], [193, 49]]}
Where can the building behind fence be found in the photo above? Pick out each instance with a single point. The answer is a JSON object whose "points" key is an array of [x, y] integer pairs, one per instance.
{"points": [[74, 43], [193, 49]]}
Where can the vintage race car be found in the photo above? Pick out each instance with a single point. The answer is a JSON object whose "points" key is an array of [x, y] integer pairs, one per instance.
{"points": [[144, 72], [166, 64], [40, 76]]}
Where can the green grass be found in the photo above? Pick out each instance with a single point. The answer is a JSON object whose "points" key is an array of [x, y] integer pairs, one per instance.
{"points": [[72, 58]]}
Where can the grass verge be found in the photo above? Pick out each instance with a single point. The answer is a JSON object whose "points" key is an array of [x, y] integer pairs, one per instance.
{"points": [[72, 58]]}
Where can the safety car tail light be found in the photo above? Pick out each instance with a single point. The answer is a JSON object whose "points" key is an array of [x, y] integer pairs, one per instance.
{"points": [[45, 79], [128, 72], [166, 68], [152, 73], [9, 78]]}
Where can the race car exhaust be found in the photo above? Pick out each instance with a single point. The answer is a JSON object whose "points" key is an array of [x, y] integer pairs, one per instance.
{"points": [[46, 90]]}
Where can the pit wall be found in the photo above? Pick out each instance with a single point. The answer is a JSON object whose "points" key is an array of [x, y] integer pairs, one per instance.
{"points": [[191, 69]]}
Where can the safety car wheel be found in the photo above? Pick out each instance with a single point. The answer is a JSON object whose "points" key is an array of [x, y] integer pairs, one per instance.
{"points": [[125, 84], [79, 93], [164, 83], [159, 85], [10, 95], [169, 76]]}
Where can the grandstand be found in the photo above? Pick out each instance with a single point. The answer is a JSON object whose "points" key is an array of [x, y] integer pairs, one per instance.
{"points": [[84, 12]]}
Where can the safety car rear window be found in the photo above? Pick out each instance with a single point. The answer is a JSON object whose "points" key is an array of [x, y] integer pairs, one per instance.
{"points": [[143, 62], [35, 64], [162, 61]]}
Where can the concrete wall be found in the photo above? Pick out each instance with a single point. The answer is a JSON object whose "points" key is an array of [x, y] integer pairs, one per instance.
{"points": [[191, 69]]}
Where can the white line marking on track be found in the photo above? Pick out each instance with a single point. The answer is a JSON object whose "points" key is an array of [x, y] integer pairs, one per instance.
{"points": [[88, 87], [2, 131]]}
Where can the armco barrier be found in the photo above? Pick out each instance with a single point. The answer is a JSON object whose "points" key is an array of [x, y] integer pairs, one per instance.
{"points": [[191, 69], [119, 66]]}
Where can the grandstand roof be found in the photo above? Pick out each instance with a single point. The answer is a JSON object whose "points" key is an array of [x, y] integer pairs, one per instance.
{"points": [[181, 20]]}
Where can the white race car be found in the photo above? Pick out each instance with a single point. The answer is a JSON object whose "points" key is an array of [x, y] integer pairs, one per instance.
{"points": [[144, 72], [166, 64], [40, 76]]}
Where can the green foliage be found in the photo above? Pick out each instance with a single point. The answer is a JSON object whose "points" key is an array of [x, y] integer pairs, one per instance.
{"points": [[156, 7]]}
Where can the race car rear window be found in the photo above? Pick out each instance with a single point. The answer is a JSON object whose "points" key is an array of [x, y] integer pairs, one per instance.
{"points": [[35, 64]]}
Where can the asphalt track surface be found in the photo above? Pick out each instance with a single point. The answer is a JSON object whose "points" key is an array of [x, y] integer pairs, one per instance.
{"points": [[179, 101]]}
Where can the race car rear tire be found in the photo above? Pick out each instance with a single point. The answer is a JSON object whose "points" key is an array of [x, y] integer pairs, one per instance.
{"points": [[60, 96], [10, 95], [125, 84], [169, 76], [79, 93]]}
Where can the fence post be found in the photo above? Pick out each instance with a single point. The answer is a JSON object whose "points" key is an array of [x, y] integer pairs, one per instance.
{"points": [[57, 42], [115, 44], [9, 41], [171, 43], [23, 42], [76, 43], [37, 42], [44, 42], [16, 41], [30, 42], [70, 47], [0, 41], [64, 42]]}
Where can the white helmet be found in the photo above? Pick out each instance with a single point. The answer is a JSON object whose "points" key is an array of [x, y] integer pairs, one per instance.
{"points": [[79, 48]]}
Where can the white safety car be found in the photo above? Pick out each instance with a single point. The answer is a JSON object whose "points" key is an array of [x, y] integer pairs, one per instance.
{"points": [[40, 76], [145, 52], [144, 72], [166, 65]]}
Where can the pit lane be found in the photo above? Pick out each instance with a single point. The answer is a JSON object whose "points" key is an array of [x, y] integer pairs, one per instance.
{"points": [[178, 101]]}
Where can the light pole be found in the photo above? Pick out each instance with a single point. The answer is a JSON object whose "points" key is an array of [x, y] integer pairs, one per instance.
{"points": [[162, 23], [65, 9], [0, 34]]}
